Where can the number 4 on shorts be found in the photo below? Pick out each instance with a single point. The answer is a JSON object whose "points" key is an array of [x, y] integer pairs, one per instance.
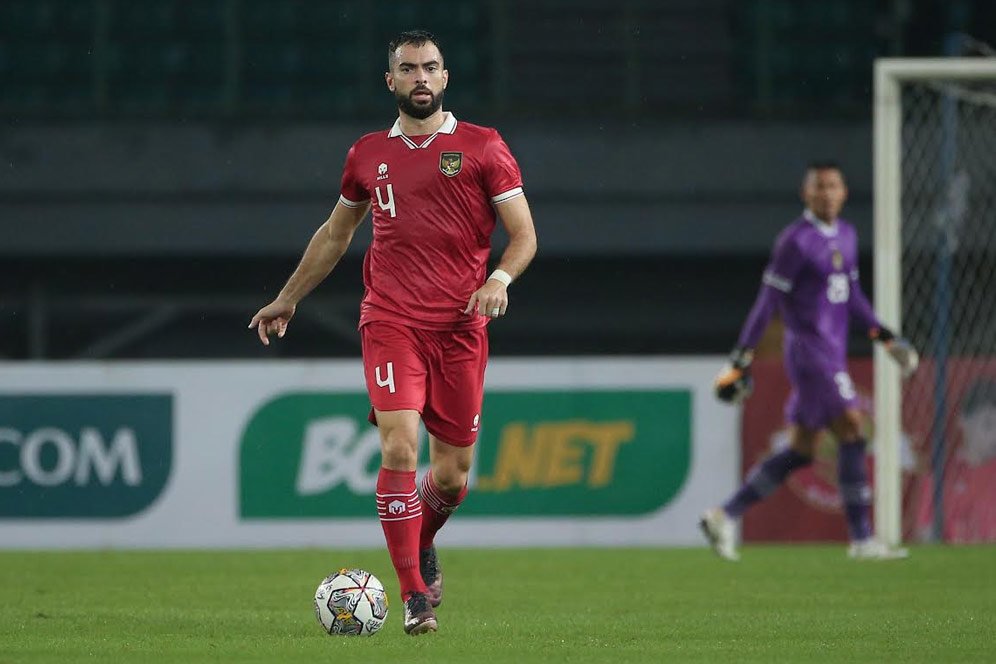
{"points": [[385, 382]]}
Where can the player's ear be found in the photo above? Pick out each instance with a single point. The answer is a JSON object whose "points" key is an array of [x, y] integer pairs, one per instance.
{"points": [[446, 78], [389, 79]]}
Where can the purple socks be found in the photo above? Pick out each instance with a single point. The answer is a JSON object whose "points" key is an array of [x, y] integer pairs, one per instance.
{"points": [[852, 477], [763, 479], [855, 493]]}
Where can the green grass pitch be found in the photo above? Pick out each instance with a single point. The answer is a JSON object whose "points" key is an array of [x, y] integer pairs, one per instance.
{"points": [[790, 604]]}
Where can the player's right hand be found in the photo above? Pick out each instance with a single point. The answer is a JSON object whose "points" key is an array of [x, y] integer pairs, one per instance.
{"points": [[734, 383], [272, 319]]}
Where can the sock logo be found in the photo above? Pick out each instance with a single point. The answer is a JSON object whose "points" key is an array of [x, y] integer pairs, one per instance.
{"points": [[396, 507]]}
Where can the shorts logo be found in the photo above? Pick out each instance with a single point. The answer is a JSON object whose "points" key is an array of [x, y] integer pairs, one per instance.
{"points": [[477, 422], [450, 163], [396, 507]]}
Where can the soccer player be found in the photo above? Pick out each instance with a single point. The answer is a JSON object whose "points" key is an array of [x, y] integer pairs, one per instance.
{"points": [[435, 186], [812, 281]]}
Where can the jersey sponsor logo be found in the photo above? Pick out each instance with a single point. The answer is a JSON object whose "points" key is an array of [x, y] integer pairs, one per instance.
{"points": [[450, 163], [382, 172]]}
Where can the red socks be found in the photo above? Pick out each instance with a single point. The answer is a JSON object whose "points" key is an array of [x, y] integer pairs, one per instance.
{"points": [[400, 512], [437, 509]]}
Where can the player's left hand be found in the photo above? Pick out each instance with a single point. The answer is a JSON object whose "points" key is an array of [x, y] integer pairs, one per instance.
{"points": [[489, 300], [904, 354]]}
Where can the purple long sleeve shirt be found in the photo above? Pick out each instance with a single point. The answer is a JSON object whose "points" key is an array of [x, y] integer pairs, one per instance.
{"points": [[812, 280]]}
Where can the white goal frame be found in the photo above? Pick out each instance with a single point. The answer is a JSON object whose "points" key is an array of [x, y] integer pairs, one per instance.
{"points": [[890, 74]]}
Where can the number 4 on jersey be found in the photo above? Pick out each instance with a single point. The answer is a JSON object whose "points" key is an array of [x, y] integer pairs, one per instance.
{"points": [[389, 204]]}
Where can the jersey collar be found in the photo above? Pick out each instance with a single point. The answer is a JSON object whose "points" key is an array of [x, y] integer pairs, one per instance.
{"points": [[448, 127], [829, 230]]}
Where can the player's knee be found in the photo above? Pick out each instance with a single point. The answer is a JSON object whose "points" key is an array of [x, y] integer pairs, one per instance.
{"points": [[848, 427], [804, 448], [450, 471], [399, 449], [450, 478], [804, 442]]}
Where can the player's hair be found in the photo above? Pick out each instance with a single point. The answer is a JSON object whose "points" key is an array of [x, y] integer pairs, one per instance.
{"points": [[413, 37], [824, 165]]}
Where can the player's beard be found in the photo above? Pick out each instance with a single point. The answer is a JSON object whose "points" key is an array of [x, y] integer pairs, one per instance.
{"points": [[417, 111]]}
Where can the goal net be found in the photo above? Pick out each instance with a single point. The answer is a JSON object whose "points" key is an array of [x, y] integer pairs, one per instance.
{"points": [[935, 278]]}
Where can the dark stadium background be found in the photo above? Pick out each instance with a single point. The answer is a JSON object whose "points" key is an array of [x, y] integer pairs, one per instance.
{"points": [[164, 162]]}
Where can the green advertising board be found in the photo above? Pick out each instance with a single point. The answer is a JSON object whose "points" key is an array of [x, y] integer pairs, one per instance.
{"points": [[73, 456], [539, 453]]}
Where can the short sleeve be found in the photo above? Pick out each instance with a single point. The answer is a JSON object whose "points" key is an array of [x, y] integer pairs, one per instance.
{"points": [[502, 178], [785, 264], [352, 193]]}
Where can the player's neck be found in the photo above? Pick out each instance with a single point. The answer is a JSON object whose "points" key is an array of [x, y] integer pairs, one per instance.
{"points": [[414, 127], [812, 216]]}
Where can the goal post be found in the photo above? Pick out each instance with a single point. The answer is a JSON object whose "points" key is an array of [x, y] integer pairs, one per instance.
{"points": [[934, 235]]}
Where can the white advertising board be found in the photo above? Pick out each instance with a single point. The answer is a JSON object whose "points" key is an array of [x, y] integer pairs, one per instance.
{"points": [[621, 451]]}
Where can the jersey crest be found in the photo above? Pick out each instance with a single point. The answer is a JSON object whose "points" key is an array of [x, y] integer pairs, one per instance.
{"points": [[838, 259], [450, 163]]}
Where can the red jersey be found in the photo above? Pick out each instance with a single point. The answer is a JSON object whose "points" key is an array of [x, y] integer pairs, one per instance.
{"points": [[433, 214]]}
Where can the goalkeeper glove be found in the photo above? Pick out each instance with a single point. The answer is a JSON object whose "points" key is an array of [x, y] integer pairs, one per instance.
{"points": [[901, 350], [734, 382]]}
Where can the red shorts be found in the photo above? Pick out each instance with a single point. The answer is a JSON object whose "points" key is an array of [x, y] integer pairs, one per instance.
{"points": [[438, 373]]}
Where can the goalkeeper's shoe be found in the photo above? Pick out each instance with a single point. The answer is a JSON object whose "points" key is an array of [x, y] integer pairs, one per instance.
{"points": [[734, 382], [872, 549], [432, 575], [719, 529], [419, 616]]}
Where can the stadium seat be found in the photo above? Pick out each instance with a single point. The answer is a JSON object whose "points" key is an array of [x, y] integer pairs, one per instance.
{"points": [[137, 20], [203, 18], [265, 18]]}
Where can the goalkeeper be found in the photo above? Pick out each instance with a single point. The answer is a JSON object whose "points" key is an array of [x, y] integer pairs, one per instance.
{"points": [[812, 281]]}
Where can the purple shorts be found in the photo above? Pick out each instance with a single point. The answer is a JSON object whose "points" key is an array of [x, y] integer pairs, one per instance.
{"points": [[819, 395]]}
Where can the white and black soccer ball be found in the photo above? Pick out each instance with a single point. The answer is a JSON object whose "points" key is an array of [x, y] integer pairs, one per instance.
{"points": [[351, 602]]}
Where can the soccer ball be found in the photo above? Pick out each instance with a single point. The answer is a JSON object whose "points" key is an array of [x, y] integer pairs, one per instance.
{"points": [[351, 602]]}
